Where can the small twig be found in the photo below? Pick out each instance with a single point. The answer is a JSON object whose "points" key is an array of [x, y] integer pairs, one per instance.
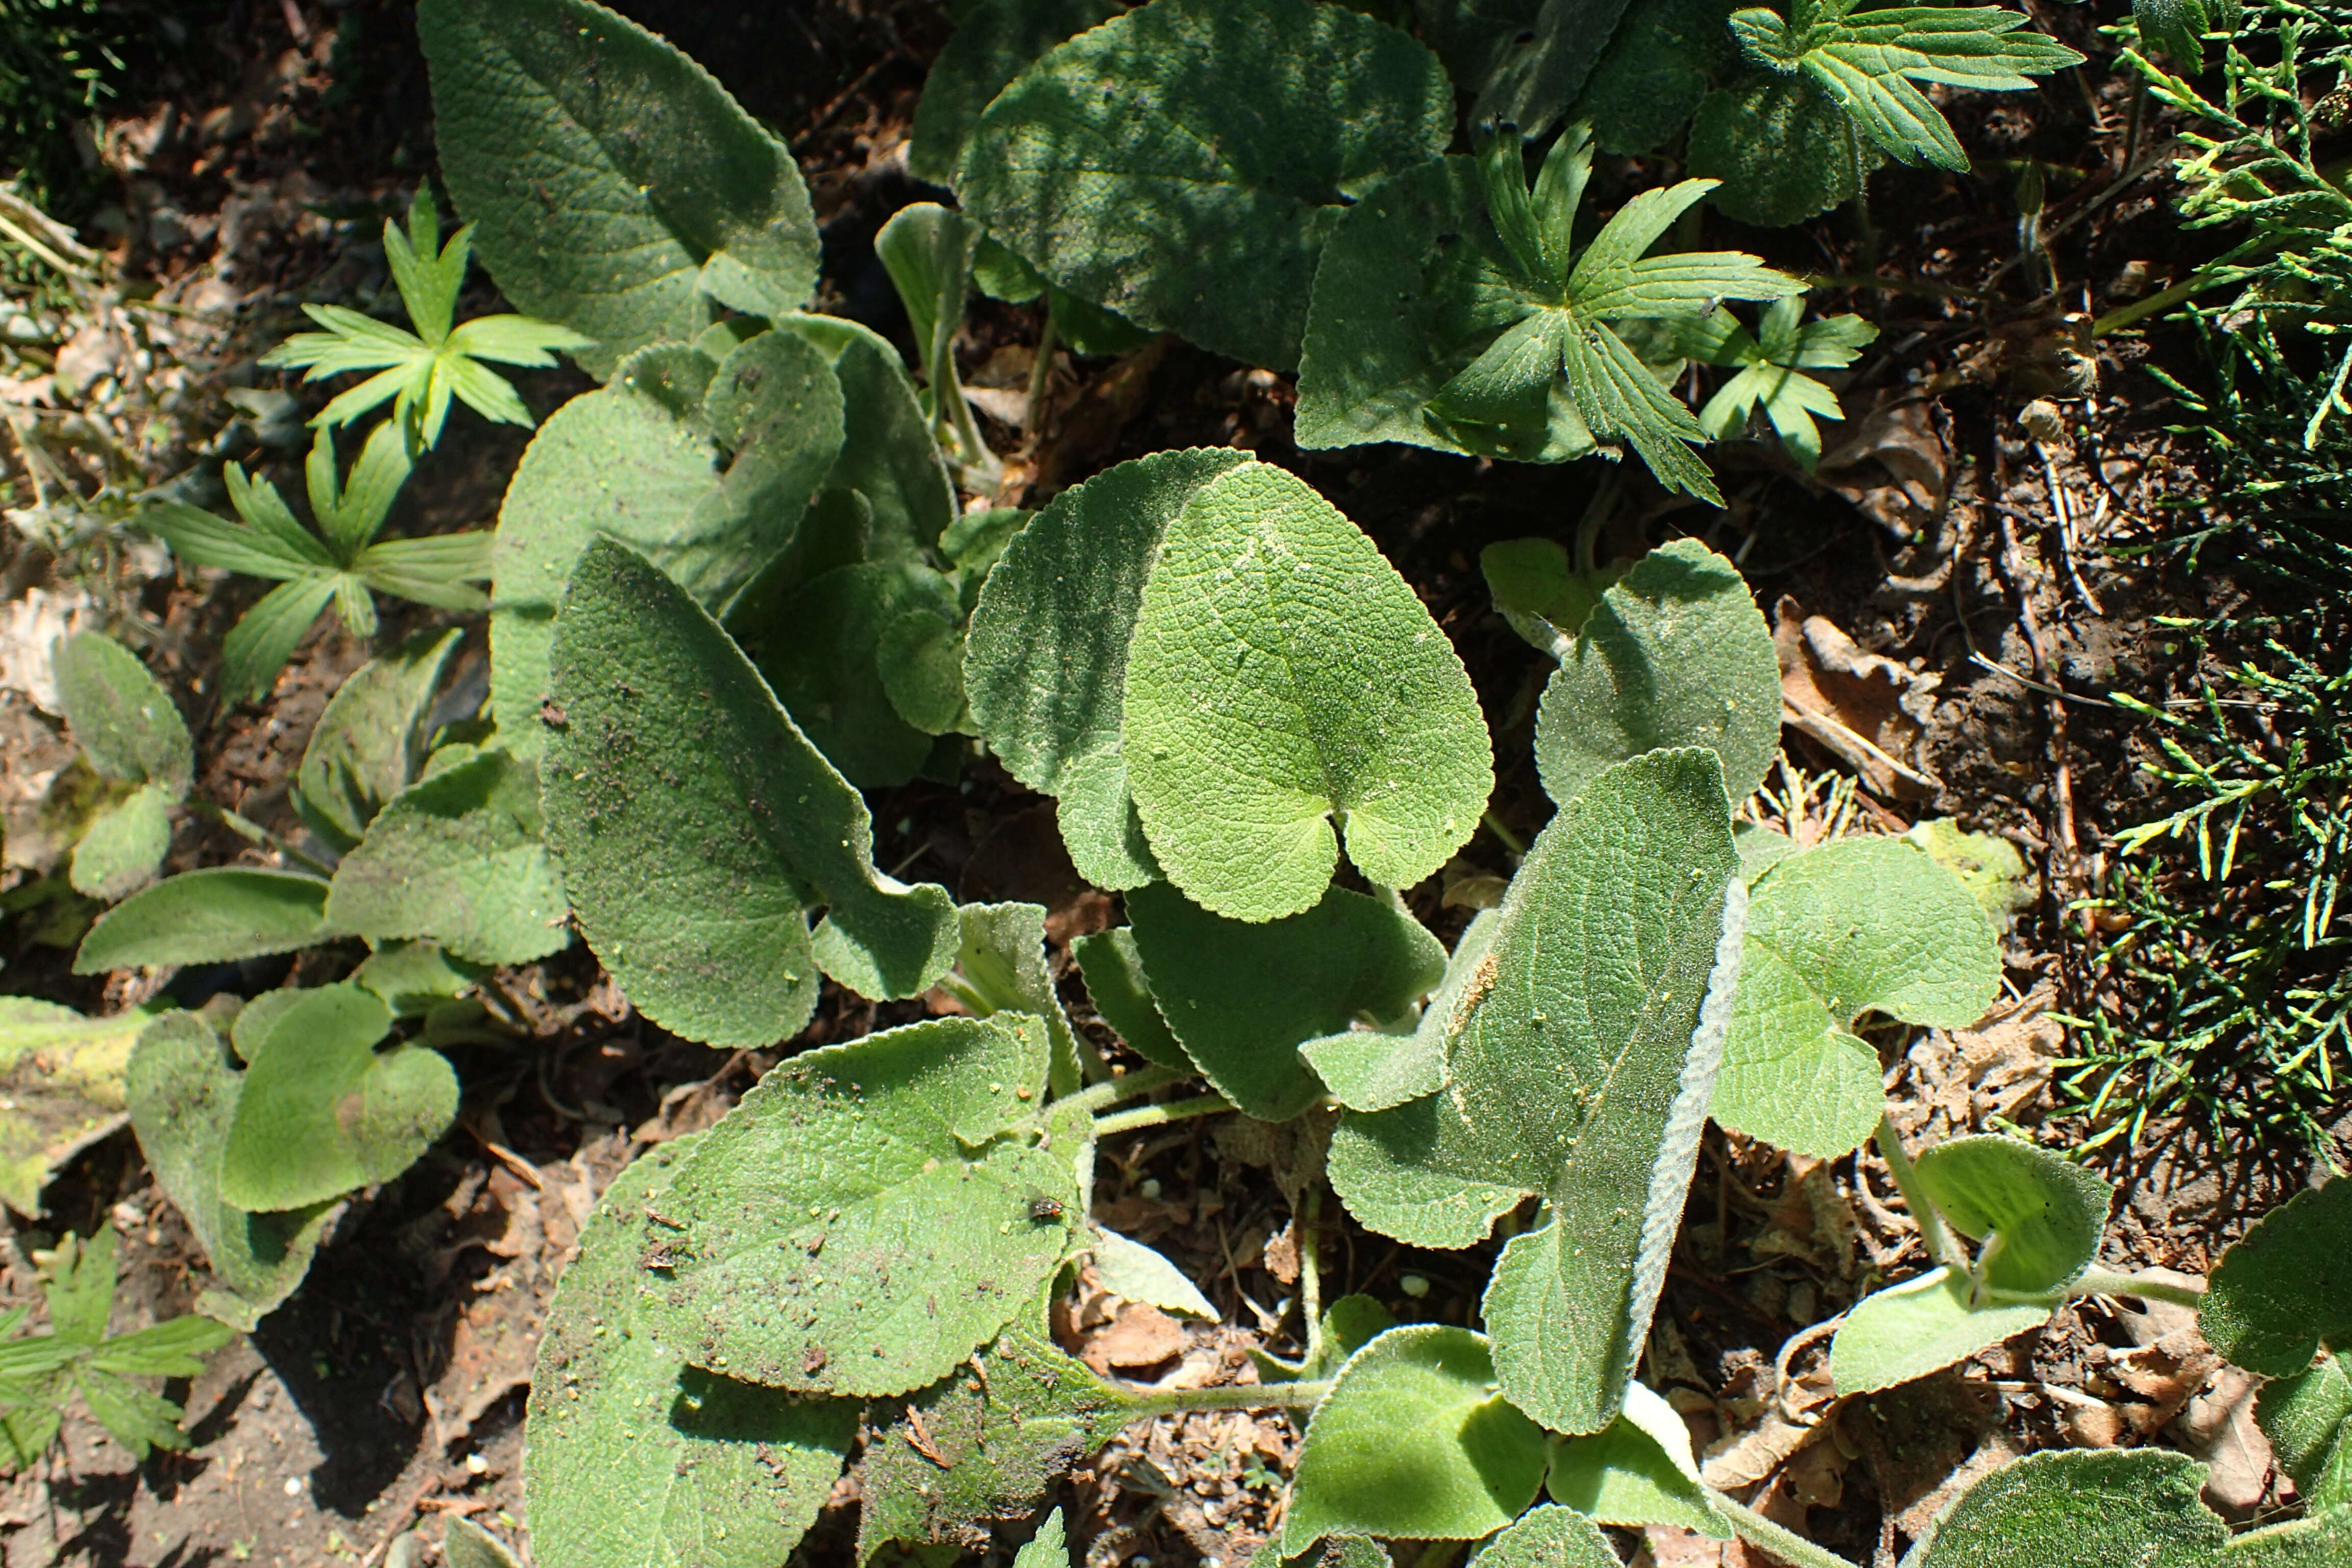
{"points": [[2065, 532]]}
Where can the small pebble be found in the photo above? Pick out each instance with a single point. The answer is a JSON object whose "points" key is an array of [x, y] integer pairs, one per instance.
{"points": [[1413, 1285], [1151, 1188]]}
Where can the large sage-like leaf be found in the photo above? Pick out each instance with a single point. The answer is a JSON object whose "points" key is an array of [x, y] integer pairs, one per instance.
{"points": [[612, 184], [61, 1083], [1920, 1326], [864, 1216], [209, 917], [1656, 69], [1637, 1470], [1285, 688], [122, 846], [2074, 1508], [1781, 148], [639, 462], [322, 1111], [458, 859], [1371, 1069], [1113, 970], [1676, 654], [887, 455], [1413, 1443], [181, 1093], [1245, 1000], [2285, 1287], [1045, 663], [120, 716], [696, 825], [826, 651], [1858, 926], [1195, 197], [635, 1460], [2047, 1213], [369, 743], [994, 41], [2308, 1419], [2321, 1541]]}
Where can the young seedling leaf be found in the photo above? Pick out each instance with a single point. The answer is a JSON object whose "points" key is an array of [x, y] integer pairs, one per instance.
{"points": [[458, 859], [2040, 1216], [121, 848], [2308, 1419], [1550, 1537], [120, 716], [1135, 1272], [635, 1460], [1537, 588], [1277, 653], [926, 249], [1374, 1070], [1860, 925], [981, 1445], [61, 1079], [1920, 1326], [1245, 1000], [1781, 148], [1004, 968], [369, 743], [1113, 971], [1046, 664], [994, 41], [1988, 864], [213, 916], [323, 1111], [823, 649], [1194, 198], [1770, 364], [181, 1094], [672, 756], [412, 978], [866, 1215], [2285, 1287], [614, 185], [1637, 1470], [2075, 1509], [1413, 1443], [1677, 653], [1659, 64]]}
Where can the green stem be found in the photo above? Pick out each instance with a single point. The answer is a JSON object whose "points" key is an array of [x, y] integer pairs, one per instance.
{"points": [[2115, 320], [1509, 840], [1110, 1091], [253, 832], [1310, 1272], [1932, 1234], [1048, 338], [2104, 1282], [1146, 1403], [1779, 1540], [1144, 1116]]}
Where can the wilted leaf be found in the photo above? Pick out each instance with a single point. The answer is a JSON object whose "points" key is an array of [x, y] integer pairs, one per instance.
{"points": [[2046, 1212], [209, 917], [1920, 1326], [369, 743], [61, 1082], [2285, 1287]]}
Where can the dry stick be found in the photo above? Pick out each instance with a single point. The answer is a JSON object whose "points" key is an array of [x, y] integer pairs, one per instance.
{"points": [[2062, 511]]}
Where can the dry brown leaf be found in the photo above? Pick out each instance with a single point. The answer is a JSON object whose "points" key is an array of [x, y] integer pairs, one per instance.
{"points": [[1867, 711], [1892, 465], [2218, 1426], [1140, 1336], [1964, 1080]]}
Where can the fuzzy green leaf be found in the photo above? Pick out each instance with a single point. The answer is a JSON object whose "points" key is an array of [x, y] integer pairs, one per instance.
{"points": [[1413, 1443], [120, 716], [1637, 1470], [1781, 148], [1657, 67], [1113, 971], [1920, 1326], [2079, 1510], [1194, 198], [1002, 966], [822, 648], [369, 742], [1245, 1000], [887, 455], [2285, 1287], [121, 847], [1550, 1537], [862, 1219], [696, 825], [2047, 1213], [1277, 653], [323, 1111], [458, 859], [1860, 925], [1535, 72], [1373, 1069], [1134, 1272], [209, 917], [2322, 1540], [994, 41], [1049, 1547], [61, 1080], [926, 249], [1046, 664], [2308, 1419], [613, 184], [635, 1460], [1537, 588]]}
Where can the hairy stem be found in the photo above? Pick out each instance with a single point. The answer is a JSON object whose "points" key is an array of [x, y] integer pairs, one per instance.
{"points": [[1781, 1541], [2105, 1282], [1144, 1116], [1238, 1396], [1940, 1244], [254, 833], [1310, 1273], [1110, 1091]]}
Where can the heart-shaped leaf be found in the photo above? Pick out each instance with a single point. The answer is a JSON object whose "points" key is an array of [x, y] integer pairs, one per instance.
{"points": [[458, 859], [635, 1460], [994, 41], [209, 917], [2285, 1287], [1637, 1470], [865, 1215], [1195, 198], [674, 756], [369, 743], [612, 184], [121, 847], [1920, 1326], [1276, 652], [2041, 1215], [2079, 1510], [1413, 1443], [1046, 664], [120, 716], [323, 1111]]}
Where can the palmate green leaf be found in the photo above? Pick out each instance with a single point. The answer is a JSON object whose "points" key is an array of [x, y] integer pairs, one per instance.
{"points": [[209, 917], [1920, 1326], [614, 188], [181, 1093], [635, 1460], [981, 1445], [1113, 970], [2308, 1419], [639, 462], [120, 716], [1045, 662], [369, 743], [1868, 61], [1637, 1470], [1772, 361], [121, 848], [1660, 62], [1277, 653], [204, 540], [1677, 653], [2040, 1216], [994, 41], [1249, 1002], [1781, 147], [2079, 1510], [2284, 1289], [863, 1218], [265, 636], [1856, 926], [1413, 1443], [174, 1347], [321, 1111], [61, 1080], [695, 824], [1002, 967], [458, 859], [1195, 198], [140, 1421]]}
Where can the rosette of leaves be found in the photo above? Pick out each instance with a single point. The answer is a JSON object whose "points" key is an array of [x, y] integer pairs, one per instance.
{"points": [[1455, 309], [130, 734], [1769, 365], [338, 560], [421, 371]]}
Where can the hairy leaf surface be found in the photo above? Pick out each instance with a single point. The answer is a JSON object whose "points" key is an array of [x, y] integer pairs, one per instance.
{"points": [[369, 743], [1113, 971], [120, 716], [1637, 1470], [1920, 1326], [213, 916], [2047, 1211], [994, 41], [2074, 1509], [2285, 1287]]}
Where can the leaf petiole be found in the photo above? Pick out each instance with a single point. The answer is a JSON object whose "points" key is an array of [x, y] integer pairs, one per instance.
{"points": [[1110, 1091], [1144, 1116], [1781, 1541], [1932, 1234]]}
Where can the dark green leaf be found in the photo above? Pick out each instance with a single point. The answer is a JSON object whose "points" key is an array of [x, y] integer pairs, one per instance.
{"points": [[120, 716], [1780, 148], [369, 742], [994, 41], [2285, 1287], [1113, 971]]}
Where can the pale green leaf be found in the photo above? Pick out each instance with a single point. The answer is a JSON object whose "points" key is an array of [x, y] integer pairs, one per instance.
{"points": [[1550, 1537], [78, 1282], [1416, 1172], [61, 1080], [203, 540], [1194, 198], [926, 249], [120, 716], [634, 1459], [209, 917], [1537, 588], [696, 825], [2039, 1216], [1637, 1470], [120, 850], [1413, 1443], [2285, 1287], [369, 742], [413, 978], [1987, 864], [464, 1544], [1045, 663], [1920, 1326], [323, 1111], [863, 1218], [138, 1420], [1134, 1272], [1049, 1547], [1113, 971], [2308, 1419], [2079, 1510], [1278, 654], [612, 182], [1002, 967], [994, 41]]}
